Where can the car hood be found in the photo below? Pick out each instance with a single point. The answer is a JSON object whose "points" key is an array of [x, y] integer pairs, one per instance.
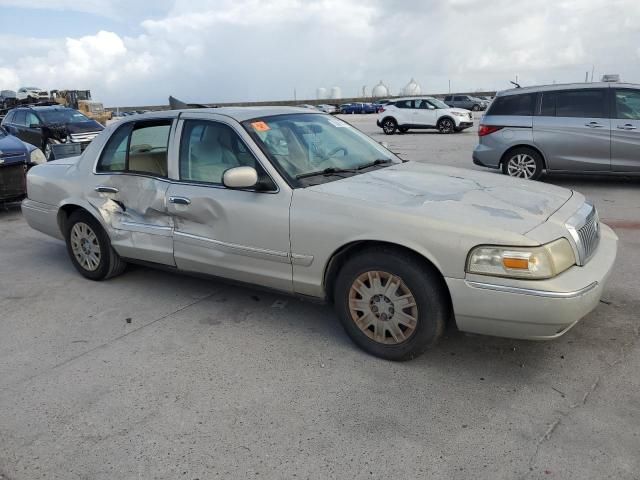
{"points": [[61, 130], [448, 194], [459, 110]]}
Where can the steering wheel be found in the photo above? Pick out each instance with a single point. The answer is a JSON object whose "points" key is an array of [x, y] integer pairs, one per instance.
{"points": [[334, 151]]}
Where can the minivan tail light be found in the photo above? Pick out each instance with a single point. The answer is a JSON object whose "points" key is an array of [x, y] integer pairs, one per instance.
{"points": [[487, 130]]}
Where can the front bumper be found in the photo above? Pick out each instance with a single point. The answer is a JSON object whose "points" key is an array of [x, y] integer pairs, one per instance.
{"points": [[533, 309], [465, 124]]}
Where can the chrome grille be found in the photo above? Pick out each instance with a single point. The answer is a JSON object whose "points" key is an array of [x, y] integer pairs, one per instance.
{"points": [[83, 137], [584, 228]]}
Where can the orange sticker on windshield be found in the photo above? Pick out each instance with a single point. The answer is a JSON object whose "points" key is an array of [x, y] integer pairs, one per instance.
{"points": [[260, 126]]}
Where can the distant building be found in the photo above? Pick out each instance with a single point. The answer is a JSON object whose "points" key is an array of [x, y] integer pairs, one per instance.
{"points": [[380, 90], [336, 93], [412, 88]]}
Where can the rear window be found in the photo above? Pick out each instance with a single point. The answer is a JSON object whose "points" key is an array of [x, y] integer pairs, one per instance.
{"points": [[404, 104], [521, 105]]}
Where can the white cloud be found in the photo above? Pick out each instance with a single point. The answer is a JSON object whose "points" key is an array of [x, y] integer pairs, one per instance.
{"points": [[227, 50]]}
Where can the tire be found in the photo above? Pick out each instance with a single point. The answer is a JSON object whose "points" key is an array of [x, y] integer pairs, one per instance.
{"points": [[85, 236], [446, 125], [373, 270], [475, 108], [389, 126], [403, 129], [523, 163]]}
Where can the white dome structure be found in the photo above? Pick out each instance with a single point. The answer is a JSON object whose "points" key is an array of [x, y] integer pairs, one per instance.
{"points": [[380, 90], [321, 93], [336, 93], [412, 88]]}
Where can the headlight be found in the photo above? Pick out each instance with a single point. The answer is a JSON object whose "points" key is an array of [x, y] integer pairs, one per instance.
{"points": [[36, 156], [459, 114], [541, 262]]}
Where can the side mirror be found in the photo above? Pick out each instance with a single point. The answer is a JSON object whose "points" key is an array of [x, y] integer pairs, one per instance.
{"points": [[240, 177], [34, 125]]}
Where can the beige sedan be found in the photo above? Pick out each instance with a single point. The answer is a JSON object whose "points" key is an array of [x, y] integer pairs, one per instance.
{"points": [[301, 202]]}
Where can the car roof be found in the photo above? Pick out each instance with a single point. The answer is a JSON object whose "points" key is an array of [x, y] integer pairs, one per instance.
{"points": [[415, 97], [239, 114], [40, 108], [565, 86]]}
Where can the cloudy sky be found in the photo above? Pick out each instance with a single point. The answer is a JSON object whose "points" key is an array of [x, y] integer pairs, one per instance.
{"points": [[135, 52]]}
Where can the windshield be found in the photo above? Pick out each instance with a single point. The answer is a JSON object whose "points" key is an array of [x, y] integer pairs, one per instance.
{"points": [[63, 116], [304, 144], [437, 103]]}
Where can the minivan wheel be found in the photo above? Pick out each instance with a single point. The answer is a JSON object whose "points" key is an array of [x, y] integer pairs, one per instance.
{"points": [[446, 125], [389, 126], [390, 305], [523, 163], [89, 248]]}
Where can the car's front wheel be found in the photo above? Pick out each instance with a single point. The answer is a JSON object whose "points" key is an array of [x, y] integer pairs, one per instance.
{"points": [[389, 126], [390, 305], [48, 150], [89, 248], [446, 125], [523, 163]]}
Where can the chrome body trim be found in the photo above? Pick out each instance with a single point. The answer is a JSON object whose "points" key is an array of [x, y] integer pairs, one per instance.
{"points": [[530, 291], [161, 230], [584, 229]]}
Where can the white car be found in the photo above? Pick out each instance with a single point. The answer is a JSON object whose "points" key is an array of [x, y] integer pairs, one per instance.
{"points": [[33, 93], [421, 113], [326, 108]]}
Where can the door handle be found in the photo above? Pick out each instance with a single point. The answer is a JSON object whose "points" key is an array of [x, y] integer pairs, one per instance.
{"points": [[627, 126], [105, 189], [179, 200], [593, 125]]}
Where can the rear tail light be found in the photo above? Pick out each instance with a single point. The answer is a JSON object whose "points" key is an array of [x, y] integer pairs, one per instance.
{"points": [[487, 130], [381, 109]]}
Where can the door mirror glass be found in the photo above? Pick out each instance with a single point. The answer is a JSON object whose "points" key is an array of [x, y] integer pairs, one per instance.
{"points": [[240, 177]]}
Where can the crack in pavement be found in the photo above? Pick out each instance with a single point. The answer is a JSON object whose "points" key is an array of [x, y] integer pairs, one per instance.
{"points": [[552, 427], [109, 342]]}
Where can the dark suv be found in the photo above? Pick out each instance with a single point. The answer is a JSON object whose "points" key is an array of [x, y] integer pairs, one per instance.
{"points": [[58, 131]]}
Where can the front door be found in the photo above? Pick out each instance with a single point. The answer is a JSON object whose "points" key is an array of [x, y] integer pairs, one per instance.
{"points": [[129, 190], [625, 131], [425, 113], [573, 130], [241, 235]]}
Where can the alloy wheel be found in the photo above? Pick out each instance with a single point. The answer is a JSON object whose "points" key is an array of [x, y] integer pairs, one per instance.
{"points": [[389, 126], [383, 308], [446, 126], [521, 165], [85, 246]]}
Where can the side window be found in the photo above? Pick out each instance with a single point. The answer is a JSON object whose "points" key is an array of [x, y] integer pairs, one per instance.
{"points": [[548, 104], [628, 104], [148, 148], [138, 148], [581, 103], [114, 154], [208, 149], [8, 118], [32, 119], [513, 105], [404, 104], [20, 118], [447, 98]]}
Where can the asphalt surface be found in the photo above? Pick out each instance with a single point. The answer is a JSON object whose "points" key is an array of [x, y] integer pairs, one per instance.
{"points": [[157, 375]]}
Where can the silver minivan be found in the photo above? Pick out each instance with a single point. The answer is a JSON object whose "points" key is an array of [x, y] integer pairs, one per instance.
{"points": [[582, 127]]}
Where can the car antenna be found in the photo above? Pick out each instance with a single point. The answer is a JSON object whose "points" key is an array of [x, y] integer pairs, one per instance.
{"points": [[516, 84]]}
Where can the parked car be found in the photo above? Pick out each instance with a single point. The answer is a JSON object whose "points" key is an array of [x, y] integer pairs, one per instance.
{"points": [[582, 127], [304, 203], [50, 127], [466, 101], [8, 99], [422, 112], [358, 107], [32, 94], [326, 108], [16, 157]]}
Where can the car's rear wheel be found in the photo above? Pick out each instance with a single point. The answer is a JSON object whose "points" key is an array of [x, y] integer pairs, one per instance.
{"points": [[475, 108], [446, 125], [403, 129], [48, 150], [90, 249], [523, 163], [389, 126], [390, 305]]}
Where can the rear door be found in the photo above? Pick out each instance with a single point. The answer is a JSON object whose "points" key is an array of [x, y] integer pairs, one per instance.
{"points": [[625, 130], [404, 112], [573, 130], [33, 130], [129, 190]]}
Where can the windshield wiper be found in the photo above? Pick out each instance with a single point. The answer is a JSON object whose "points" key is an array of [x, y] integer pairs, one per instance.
{"points": [[327, 171], [381, 161]]}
